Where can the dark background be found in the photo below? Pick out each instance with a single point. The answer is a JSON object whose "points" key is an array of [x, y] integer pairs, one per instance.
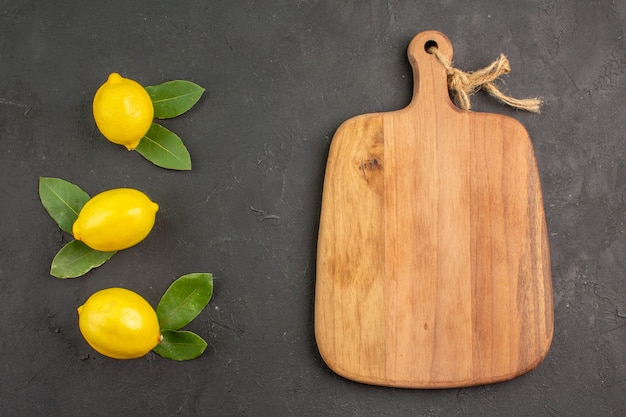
{"points": [[280, 78]]}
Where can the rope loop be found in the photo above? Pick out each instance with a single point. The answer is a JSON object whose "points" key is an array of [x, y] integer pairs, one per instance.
{"points": [[464, 84]]}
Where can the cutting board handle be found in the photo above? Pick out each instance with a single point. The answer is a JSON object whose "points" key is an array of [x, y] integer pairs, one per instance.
{"points": [[429, 75]]}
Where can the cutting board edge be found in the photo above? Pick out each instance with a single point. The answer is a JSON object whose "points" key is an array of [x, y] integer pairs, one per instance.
{"points": [[427, 385]]}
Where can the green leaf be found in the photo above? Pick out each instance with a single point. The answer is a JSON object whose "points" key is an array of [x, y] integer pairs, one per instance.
{"points": [[174, 98], [180, 345], [62, 200], [76, 259], [184, 300], [164, 148]]}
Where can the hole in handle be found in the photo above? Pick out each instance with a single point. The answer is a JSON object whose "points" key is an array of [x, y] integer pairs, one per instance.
{"points": [[430, 44]]}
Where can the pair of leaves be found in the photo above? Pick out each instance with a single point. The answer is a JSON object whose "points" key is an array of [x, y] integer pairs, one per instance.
{"points": [[63, 201], [180, 304], [161, 146]]}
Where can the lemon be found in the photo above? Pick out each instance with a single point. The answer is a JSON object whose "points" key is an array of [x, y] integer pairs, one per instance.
{"points": [[123, 111], [119, 323], [115, 219]]}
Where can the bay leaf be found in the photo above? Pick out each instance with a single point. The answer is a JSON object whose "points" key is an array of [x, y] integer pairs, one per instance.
{"points": [[184, 300], [164, 148], [174, 98], [180, 345], [62, 200], [76, 259]]}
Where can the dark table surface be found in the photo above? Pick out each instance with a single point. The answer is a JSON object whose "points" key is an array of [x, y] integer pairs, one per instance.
{"points": [[280, 78]]}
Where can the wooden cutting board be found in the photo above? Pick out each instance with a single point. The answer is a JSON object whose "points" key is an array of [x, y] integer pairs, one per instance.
{"points": [[433, 263]]}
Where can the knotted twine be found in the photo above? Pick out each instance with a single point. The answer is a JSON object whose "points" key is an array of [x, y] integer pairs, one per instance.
{"points": [[464, 84]]}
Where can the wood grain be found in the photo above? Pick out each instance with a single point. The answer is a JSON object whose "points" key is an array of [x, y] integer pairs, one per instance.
{"points": [[433, 263]]}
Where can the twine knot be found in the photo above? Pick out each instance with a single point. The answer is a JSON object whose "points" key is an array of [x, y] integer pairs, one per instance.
{"points": [[464, 84]]}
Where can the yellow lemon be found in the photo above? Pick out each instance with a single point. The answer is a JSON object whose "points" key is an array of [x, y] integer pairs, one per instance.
{"points": [[119, 323], [123, 111], [115, 219]]}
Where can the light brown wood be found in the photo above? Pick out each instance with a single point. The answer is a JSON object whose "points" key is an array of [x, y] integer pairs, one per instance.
{"points": [[433, 263]]}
